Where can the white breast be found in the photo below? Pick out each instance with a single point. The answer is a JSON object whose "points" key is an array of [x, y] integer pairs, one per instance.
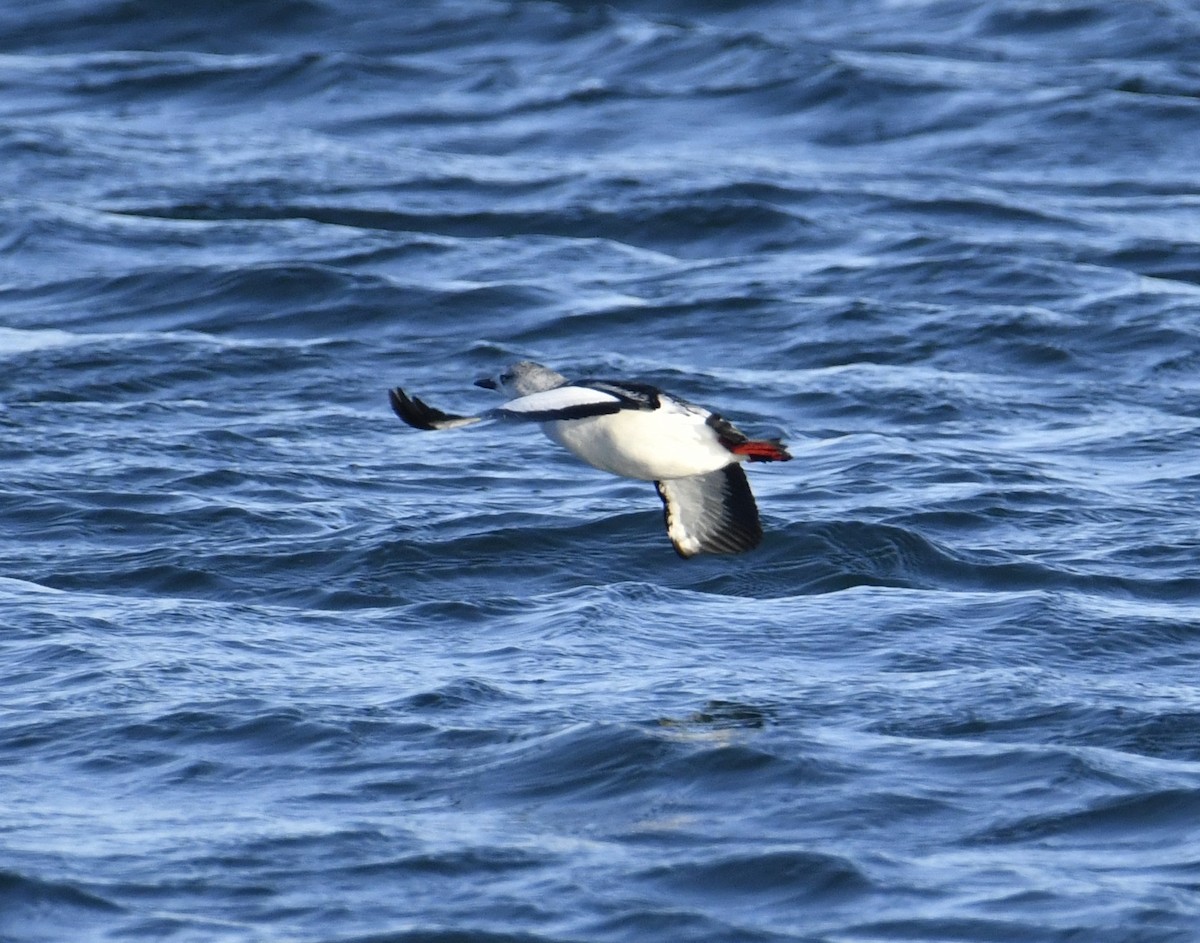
{"points": [[653, 445]]}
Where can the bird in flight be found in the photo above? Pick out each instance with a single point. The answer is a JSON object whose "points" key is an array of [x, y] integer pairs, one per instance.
{"points": [[634, 430]]}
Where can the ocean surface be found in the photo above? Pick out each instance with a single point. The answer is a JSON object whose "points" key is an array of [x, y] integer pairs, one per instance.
{"points": [[274, 667]]}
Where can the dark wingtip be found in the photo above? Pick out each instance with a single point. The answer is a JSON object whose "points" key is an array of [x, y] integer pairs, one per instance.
{"points": [[421, 415], [412, 410]]}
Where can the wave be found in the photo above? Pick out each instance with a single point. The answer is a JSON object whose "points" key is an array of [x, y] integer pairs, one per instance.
{"points": [[276, 665], [41, 911]]}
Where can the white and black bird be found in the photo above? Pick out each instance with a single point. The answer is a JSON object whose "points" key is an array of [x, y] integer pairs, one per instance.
{"points": [[635, 430]]}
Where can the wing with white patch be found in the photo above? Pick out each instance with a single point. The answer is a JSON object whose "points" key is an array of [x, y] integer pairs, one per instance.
{"points": [[563, 402], [631, 395], [713, 513]]}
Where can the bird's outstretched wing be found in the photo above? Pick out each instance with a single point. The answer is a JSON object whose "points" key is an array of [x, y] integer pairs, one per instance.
{"points": [[712, 513], [564, 402]]}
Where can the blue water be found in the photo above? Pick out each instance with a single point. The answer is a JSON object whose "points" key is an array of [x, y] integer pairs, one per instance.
{"points": [[274, 667]]}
